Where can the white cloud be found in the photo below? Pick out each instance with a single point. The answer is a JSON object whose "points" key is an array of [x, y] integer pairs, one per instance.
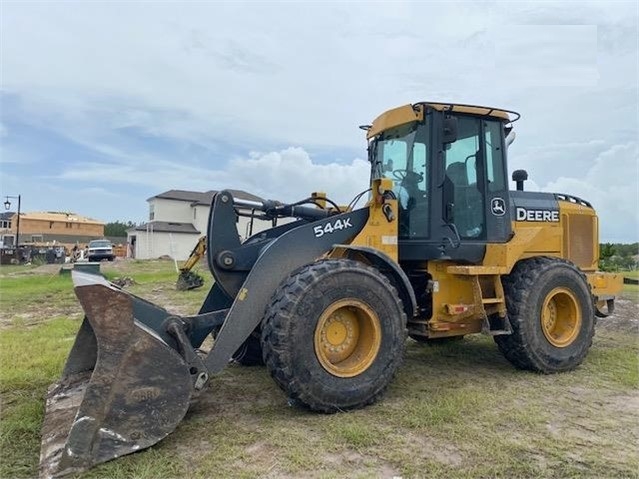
{"points": [[547, 55], [291, 174], [286, 175], [13, 155], [611, 184], [297, 74]]}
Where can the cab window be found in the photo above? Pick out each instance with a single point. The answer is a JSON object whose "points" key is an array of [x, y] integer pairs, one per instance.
{"points": [[401, 154], [462, 163], [494, 156]]}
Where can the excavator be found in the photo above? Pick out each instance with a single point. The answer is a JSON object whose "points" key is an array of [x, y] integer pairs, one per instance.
{"points": [[442, 248], [187, 279]]}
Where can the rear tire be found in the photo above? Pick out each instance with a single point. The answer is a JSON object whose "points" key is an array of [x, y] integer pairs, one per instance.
{"points": [[333, 335], [550, 309]]}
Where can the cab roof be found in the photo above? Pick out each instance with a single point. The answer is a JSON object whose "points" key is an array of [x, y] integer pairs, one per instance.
{"points": [[415, 112]]}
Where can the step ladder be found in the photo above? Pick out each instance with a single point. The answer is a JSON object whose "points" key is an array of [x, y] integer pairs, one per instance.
{"points": [[489, 290]]}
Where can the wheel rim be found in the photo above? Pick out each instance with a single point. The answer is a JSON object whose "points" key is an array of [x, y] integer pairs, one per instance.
{"points": [[561, 317], [347, 338]]}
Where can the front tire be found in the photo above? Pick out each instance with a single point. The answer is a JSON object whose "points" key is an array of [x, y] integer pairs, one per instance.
{"points": [[333, 336], [250, 352], [550, 309]]}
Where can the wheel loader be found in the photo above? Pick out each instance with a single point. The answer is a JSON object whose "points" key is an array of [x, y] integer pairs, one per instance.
{"points": [[442, 249]]}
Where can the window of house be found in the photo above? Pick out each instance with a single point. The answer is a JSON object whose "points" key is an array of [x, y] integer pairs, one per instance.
{"points": [[194, 213], [151, 212], [50, 224], [5, 224]]}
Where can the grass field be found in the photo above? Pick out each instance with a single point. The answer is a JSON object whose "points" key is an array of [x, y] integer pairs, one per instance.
{"points": [[453, 411], [631, 288]]}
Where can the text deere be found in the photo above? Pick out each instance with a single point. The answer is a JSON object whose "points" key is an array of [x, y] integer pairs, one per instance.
{"points": [[537, 215]]}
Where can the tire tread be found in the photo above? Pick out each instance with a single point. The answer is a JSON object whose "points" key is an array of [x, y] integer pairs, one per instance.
{"points": [[518, 287], [280, 313]]}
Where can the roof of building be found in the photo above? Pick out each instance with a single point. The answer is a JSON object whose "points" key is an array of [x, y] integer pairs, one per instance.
{"points": [[166, 227], [7, 215], [59, 216], [202, 198]]}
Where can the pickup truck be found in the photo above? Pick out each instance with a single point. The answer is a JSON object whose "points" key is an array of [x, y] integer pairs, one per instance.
{"points": [[101, 249]]}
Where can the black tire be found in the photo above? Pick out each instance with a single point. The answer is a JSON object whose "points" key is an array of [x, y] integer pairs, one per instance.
{"points": [[295, 335], [250, 352], [556, 290]]}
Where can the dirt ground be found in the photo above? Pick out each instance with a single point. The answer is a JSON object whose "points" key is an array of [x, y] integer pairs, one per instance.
{"points": [[459, 410], [625, 317]]}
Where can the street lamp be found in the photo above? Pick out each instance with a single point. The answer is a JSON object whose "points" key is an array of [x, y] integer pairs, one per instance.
{"points": [[7, 205]]}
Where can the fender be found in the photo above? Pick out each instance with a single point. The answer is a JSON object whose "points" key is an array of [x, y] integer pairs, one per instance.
{"points": [[389, 268]]}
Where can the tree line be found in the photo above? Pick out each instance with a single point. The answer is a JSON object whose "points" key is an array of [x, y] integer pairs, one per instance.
{"points": [[118, 228], [618, 256]]}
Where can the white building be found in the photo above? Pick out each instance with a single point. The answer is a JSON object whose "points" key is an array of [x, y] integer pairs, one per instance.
{"points": [[177, 219]]}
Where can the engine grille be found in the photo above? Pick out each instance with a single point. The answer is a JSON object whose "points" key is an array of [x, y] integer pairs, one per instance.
{"points": [[579, 239]]}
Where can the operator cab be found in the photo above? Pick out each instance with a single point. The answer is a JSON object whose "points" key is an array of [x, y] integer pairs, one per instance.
{"points": [[448, 167]]}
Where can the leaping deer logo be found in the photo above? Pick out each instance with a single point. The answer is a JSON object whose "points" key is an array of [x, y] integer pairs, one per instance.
{"points": [[498, 206]]}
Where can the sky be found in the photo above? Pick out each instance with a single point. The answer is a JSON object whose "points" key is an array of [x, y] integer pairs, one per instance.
{"points": [[106, 104]]}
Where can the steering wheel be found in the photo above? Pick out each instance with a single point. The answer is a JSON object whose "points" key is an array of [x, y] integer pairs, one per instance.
{"points": [[400, 174]]}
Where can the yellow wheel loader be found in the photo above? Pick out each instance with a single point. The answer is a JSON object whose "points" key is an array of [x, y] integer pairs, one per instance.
{"points": [[441, 249]]}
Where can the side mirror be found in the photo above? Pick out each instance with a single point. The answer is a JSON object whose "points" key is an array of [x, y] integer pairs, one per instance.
{"points": [[450, 130]]}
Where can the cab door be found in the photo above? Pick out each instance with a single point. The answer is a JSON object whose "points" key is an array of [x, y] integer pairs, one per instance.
{"points": [[455, 210], [474, 189], [464, 203], [498, 224], [465, 198]]}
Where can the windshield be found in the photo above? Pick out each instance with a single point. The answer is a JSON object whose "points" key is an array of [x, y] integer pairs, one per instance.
{"points": [[399, 149], [401, 154], [100, 244]]}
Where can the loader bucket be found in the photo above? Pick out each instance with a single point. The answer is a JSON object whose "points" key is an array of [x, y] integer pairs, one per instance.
{"points": [[189, 280], [123, 388]]}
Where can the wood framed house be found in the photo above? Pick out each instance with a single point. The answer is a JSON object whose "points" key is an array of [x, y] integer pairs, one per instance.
{"points": [[49, 228]]}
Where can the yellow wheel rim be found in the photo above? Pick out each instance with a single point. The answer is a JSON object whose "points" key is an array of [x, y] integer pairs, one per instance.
{"points": [[561, 317], [347, 338]]}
